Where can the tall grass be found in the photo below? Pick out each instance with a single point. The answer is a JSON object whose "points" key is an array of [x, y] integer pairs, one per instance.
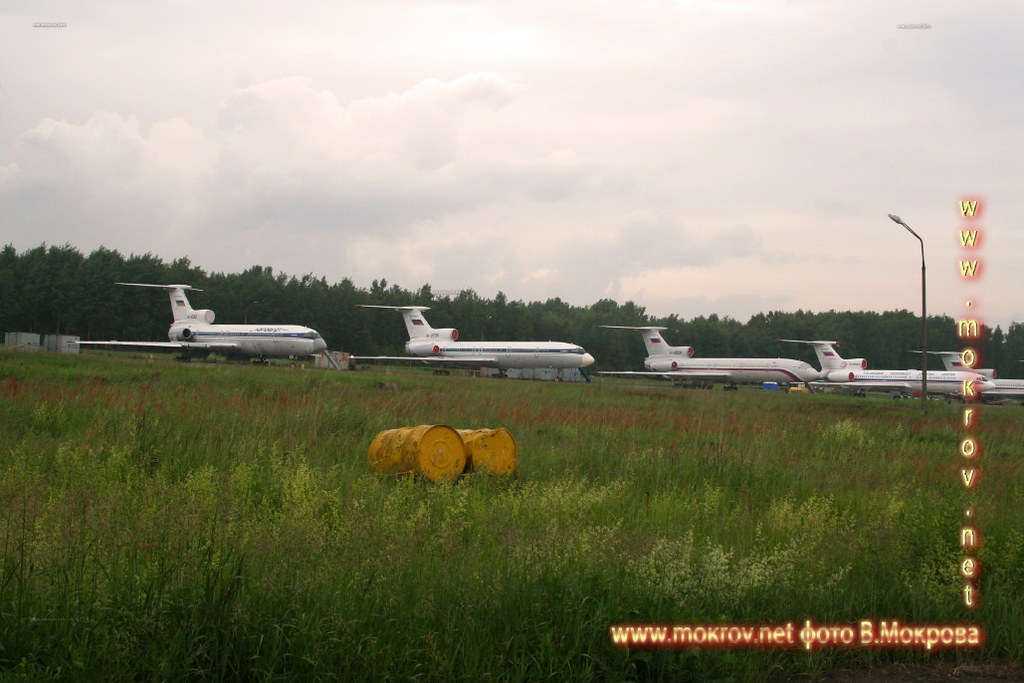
{"points": [[160, 520]]}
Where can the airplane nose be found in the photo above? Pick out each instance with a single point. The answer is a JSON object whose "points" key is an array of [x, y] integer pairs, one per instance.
{"points": [[319, 345], [587, 359]]}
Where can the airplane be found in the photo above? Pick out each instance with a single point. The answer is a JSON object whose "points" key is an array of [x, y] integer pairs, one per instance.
{"points": [[953, 360], [442, 347], [193, 333], [672, 362], [852, 373]]}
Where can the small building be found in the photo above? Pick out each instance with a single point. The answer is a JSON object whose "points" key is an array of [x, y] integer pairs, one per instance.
{"points": [[541, 374], [334, 360], [22, 341], [61, 343]]}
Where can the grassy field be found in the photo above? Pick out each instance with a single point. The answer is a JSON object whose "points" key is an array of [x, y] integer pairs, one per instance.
{"points": [[206, 520]]}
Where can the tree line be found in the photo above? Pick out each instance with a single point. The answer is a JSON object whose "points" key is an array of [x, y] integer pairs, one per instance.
{"points": [[58, 290]]}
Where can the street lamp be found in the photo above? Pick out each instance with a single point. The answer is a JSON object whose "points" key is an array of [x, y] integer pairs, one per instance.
{"points": [[924, 320]]}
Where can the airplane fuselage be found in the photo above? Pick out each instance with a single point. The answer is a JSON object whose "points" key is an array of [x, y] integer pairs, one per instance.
{"points": [[1006, 388], [1017, 384], [738, 370], [249, 340], [505, 355], [944, 382]]}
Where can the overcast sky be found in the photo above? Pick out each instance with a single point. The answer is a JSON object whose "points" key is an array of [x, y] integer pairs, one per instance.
{"points": [[693, 156]]}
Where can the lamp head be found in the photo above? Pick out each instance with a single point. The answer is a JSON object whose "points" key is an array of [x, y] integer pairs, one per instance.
{"points": [[899, 220]]}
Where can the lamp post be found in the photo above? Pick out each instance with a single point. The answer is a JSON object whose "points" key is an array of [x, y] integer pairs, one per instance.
{"points": [[924, 320]]}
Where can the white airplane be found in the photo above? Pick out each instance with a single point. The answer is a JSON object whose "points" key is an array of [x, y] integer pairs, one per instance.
{"points": [[953, 360], [852, 373], [442, 347], [194, 334], [677, 362]]}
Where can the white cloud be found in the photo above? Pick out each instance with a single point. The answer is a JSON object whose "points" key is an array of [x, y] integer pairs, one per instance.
{"points": [[647, 150], [106, 180]]}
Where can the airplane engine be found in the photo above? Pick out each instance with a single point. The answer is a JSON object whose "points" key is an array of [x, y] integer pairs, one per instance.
{"points": [[841, 376], [204, 315], [861, 363], [184, 334], [666, 363], [423, 347], [448, 333]]}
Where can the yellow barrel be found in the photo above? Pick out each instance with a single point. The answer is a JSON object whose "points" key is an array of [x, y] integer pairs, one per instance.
{"points": [[435, 451], [383, 454], [493, 450]]}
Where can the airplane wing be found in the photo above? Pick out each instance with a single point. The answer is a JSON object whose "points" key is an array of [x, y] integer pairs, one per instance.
{"points": [[166, 347], [867, 384], [688, 374], [475, 362], [1003, 391], [700, 374]]}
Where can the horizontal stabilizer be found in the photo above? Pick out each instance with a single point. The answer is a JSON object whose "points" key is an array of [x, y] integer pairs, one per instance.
{"points": [[808, 341], [395, 308], [632, 327], [169, 288]]}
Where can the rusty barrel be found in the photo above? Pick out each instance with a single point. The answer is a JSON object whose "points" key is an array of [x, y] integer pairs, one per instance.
{"points": [[493, 450], [435, 451]]}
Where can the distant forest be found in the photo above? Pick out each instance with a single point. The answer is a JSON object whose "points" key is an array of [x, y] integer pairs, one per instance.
{"points": [[58, 290]]}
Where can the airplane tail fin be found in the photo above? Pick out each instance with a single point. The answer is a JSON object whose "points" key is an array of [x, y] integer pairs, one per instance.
{"points": [[655, 343], [181, 309], [416, 324], [828, 357]]}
